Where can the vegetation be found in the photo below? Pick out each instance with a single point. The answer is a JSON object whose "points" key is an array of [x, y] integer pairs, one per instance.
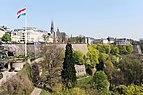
{"points": [[20, 84], [44, 92], [68, 73], [1, 75], [6, 37], [111, 70], [100, 82], [46, 73], [79, 39], [79, 57], [93, 55]]}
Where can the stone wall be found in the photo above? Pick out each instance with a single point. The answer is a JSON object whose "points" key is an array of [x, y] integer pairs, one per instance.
{"points": [[18, 49]]}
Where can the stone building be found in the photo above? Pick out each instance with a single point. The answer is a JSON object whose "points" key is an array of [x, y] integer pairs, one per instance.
{"points": [[80, 70]]}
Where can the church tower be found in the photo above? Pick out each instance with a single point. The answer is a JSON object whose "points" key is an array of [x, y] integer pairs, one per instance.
{"points": [[52, 27], [52, 32]]}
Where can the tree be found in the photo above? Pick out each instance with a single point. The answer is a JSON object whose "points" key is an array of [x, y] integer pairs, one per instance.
{"points": [[68, 73], [114, 59], [6, 37], [114, 50], [100, 82], [93, 55], [132, 71], [63, 37], [35, 73], [50, 66], [103, 56], [123, 50], [107, 48], [129, 48], [79, 57]]}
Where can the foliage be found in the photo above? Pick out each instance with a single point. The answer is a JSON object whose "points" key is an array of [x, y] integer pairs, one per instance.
{"points": [[126, 49], [103, 57], [84, 83], [20, 84], [6, 37], [93, 55], [141, 45], [100, 81], [79, 57], [68, 73], [77, 40], [123, 50], [44, 92], [49, 66], [35, 73], [129, 90], [132, 70], [109, 68], [129, 48], [114, 59], [114, 50], [121, 89], [1, 75], [26, 70], [89, 70], [104, 48]]}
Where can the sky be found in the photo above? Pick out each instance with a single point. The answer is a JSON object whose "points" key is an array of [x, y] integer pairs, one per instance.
{"points": [[91, 18]]}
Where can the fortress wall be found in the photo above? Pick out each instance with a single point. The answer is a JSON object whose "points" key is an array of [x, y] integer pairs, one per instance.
{"points": [[18, 49]]}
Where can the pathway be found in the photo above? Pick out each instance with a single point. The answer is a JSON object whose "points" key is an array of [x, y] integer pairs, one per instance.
{"points": [[36, 91]]}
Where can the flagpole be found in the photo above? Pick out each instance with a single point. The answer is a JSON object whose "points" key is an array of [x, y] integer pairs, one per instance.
{"points": [[26, 33]]}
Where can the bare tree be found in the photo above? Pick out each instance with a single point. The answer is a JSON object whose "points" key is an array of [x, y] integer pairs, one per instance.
{"points": [[50, 66]]}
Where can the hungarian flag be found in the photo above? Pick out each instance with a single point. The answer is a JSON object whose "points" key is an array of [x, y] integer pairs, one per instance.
{"points": [[21, 12]]}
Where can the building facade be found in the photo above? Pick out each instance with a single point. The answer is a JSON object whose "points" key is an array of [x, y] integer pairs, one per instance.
{"points": [[122, 41], [33, 35], [80, 70]]}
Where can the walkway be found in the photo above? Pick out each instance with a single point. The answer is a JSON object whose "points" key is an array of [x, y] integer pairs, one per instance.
{"points": [[36, 91]]}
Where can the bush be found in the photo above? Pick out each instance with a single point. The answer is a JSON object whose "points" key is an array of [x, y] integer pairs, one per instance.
{"points": [[1, 75], [19, 84]]}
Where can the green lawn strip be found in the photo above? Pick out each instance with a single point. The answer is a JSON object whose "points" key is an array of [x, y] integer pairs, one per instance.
{"points": [[44, 92], [84, 82]]}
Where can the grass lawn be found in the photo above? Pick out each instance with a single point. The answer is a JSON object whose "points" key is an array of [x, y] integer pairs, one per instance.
{"points": [[44, 92], [84, 82]]}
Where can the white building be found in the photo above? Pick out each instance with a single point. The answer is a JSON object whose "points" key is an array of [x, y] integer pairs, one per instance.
{"points": [[104, 41], [80, 70], [33, 35], [89, 40], [2, 32], [122, 41]]}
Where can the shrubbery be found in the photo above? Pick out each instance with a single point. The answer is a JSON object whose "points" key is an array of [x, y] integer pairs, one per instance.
{"points": [[1, 75]]}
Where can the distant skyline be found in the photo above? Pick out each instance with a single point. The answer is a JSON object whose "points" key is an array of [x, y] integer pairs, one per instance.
{"points": [[92, 18]]}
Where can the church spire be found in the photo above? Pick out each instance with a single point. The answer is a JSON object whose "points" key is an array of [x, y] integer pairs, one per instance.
{"points": [[52, 27]]}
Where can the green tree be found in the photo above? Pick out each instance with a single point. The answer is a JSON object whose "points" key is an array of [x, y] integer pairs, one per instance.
{"points": [[93, 55], [68, 73], [6, 37], [103, 56], [104, 48], [123, 50], [100, 82], [79, 57], [114, 50], [132, 71], [101, 48], [114, 59], [129, 48], [107, 48]]}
